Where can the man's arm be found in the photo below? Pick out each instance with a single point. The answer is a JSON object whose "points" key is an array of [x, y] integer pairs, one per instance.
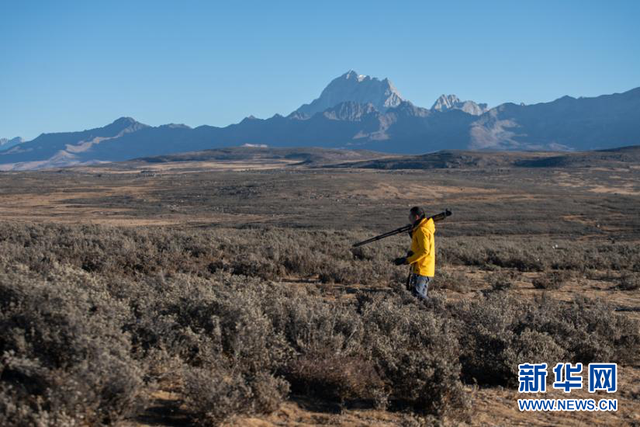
{"points": [[424, 240]]}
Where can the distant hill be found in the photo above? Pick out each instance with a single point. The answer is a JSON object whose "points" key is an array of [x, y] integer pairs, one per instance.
{"points": [[308, 156], [364, 159], [615, 157], [359, 112], [454, 159]]}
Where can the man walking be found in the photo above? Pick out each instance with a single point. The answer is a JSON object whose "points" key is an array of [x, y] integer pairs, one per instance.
{"points": [[422, 256]]}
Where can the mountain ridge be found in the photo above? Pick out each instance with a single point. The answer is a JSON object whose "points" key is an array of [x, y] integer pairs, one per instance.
{"points": [[389, 123], [452, 102]]}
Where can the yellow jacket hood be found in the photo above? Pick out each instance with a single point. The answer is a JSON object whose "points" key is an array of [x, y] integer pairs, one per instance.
{"points": [[428, 224]]}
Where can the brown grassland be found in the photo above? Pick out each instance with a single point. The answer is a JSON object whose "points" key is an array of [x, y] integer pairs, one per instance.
{"points": [[211, 294]]}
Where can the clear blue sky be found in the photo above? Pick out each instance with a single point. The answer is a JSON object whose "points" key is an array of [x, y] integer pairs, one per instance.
{"points": [[73, 65]]}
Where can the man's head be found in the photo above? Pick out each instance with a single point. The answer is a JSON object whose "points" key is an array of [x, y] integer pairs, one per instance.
{"points": [[416, 214]]}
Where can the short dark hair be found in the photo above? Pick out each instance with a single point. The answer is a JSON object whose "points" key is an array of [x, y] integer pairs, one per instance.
{"points": [[417, 210]]}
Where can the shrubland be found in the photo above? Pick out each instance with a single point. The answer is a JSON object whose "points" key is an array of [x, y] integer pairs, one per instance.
{"points": [[94, 319]]}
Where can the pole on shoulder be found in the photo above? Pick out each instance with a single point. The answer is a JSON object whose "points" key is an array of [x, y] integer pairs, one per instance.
{"points": [[436, 218]]}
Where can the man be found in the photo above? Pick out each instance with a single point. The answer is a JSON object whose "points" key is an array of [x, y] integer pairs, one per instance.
{"points": [[422, 256]]}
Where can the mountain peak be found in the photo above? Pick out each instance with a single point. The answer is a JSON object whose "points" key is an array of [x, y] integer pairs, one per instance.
{"points": [[445, 102], [354, 87], [6, 143], [452, 102], [125, 120], [126, 124], [351, 74]]}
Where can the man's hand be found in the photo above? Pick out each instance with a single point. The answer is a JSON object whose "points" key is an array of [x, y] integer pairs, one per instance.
{"points": [[400, 261]]}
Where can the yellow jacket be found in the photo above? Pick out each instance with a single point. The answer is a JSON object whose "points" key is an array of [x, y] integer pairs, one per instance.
{"points": [[423, 260]]}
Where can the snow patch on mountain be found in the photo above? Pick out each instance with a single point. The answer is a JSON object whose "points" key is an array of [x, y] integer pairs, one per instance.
{"points": [[452, 102], [353, 87]]}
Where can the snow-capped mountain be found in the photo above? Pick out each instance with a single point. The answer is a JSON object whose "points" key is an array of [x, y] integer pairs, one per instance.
{"points": [[354, 87], [452, 102], [356, 111]]}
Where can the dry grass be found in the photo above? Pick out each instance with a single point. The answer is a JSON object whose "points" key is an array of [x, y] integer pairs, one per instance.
{"points": [[236, 298]]}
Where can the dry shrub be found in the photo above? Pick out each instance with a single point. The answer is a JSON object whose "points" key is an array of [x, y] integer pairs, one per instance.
{"points": [[340, 272], [92, 315], [589, 330], [539, 254], [551, 280], [275, 253], [487, 330], [500, 253], [336, 377], [64, 357], [502, 280], [215, 395], [416, 353], [629, 282], [332, 361], [500, 332], [452, 280]]}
